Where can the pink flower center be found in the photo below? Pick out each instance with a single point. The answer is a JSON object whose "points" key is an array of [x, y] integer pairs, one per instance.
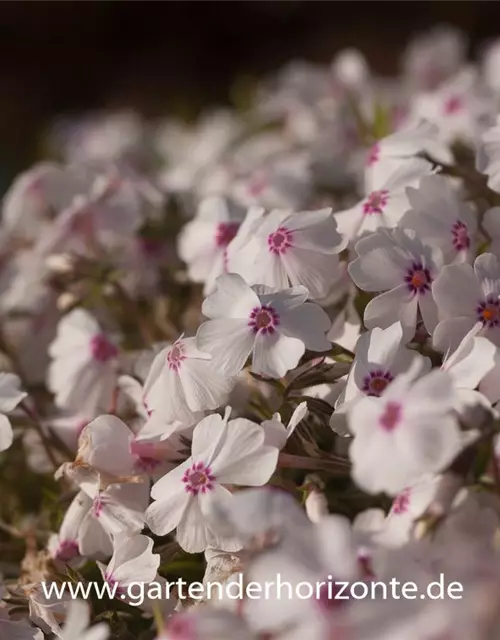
{"points": [[181, 627], [452, 105], [376, 382], [373, 155], [146, 407], [147, 465], [460, 236], [257, 185], [67, 550], [375, 202], [150, 247], [198, 479], [418, 278], [112, 581], [225, 232], [280, 240], [401, 502], [146, 455], [365, 563], [391, 416], [102, 349], [325, 596], [175, 357], [98, 505], [264, 319], [488, 311]]}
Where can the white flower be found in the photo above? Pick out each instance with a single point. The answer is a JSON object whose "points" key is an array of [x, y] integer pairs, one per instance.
{"points": [[149, 426], [223, 452], [203, 242], [466, 295], [34, 198], [118, 509], [10, 396], [283, 182], [408, 505], [64, 546], [276, 327], [282, 249], [132, 562], [262, 518], [386, 203], [434, 56], [458, 107], [329, 551], [46, 612], [350, 69], [109, 433], [194, 151], [276, 432], [441, 218], [17, 629], [77, 622], [183, 381], [395, 261], [468, 364], [101, 137], [24, 287], [488, 158], [380, 356], [405, 433], [388, 155], [205, 623], [82, 373]]}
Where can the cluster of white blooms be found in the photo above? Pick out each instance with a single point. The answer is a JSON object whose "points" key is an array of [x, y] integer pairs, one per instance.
{"points": [[193, 318]]}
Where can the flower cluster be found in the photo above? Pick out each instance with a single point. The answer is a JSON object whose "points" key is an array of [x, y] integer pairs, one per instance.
{"points": [[272, 338]]}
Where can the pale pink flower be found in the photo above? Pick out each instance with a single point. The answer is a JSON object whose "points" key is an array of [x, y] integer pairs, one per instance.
{"points": [[12, 629], [380, 356], [83, 371], [459, 107], [434, 56], [76, 626], [10, 396], [202, 243], [118, 509], [488, 161], [396, 262], [275, 327], [387, 156], [386, 202], [130, 456], [440, 217], [224, 452], [284, 249], [132, 562], [406, 433], [183, 381], [466, 295]]}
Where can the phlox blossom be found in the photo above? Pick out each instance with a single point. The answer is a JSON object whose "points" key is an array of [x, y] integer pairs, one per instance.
{"points": [[223, 452], [275, 327]]}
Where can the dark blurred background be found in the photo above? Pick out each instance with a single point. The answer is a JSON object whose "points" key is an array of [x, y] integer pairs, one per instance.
{"points": [[65, 57]]}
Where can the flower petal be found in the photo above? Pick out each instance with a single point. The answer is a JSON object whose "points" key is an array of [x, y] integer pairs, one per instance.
{"points": [[230, 341], [276, 354]]}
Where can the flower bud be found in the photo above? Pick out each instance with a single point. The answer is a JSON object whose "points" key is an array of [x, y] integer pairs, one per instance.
{"points": [[66, 301], [61, 263]]}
